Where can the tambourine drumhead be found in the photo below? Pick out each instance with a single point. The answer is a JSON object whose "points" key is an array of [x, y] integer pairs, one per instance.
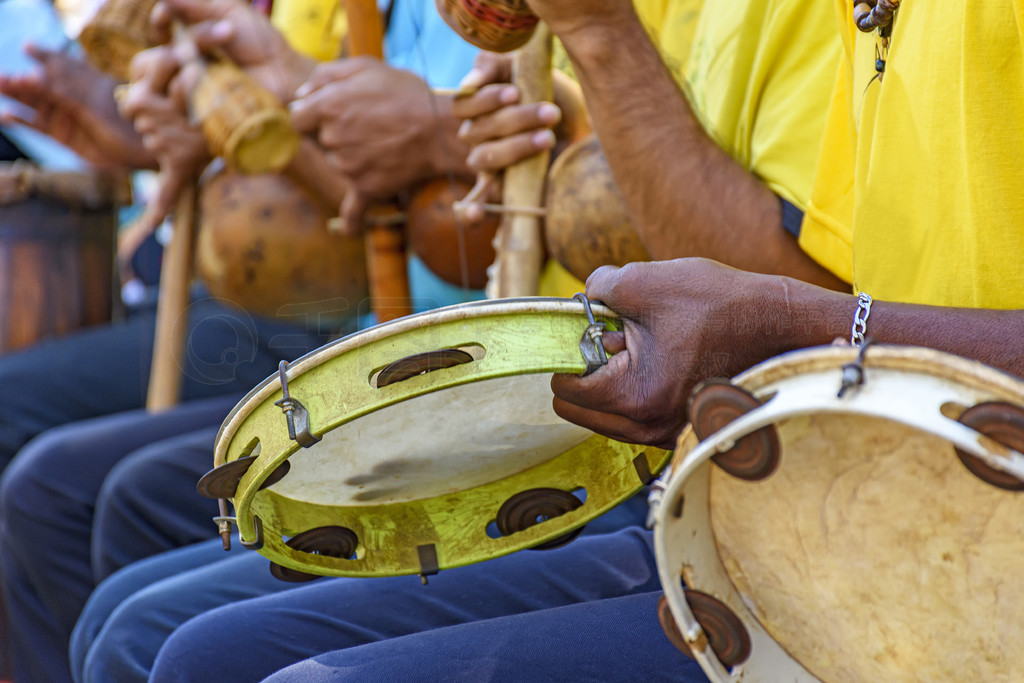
{"points": [[429, 460], [871, 552]]}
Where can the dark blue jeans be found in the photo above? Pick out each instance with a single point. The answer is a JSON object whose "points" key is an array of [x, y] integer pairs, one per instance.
{"points": [[49, 493], [105, 370], [263, 625], [611, 640]]}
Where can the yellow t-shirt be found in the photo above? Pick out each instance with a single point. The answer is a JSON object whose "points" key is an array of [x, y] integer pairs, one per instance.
{"points": [[759, 77], [921, 172], [758, 74], [671, 24], [314, 28]]}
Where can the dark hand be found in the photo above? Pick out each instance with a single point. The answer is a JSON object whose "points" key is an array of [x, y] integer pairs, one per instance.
{"points": [[567, 17], [684, 321], [501, 132], [73, 103], [155, 102], [379, 127], [240, 32]]}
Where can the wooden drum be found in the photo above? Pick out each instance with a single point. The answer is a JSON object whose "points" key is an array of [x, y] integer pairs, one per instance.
{"points": [[57, 244], [425, 443], [873, 536]]}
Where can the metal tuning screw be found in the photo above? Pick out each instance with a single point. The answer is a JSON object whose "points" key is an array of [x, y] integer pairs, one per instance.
{"points": [[592, 343], [224, 523], [295, 413]]}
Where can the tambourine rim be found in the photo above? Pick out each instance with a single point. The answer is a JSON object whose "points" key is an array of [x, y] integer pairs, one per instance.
{"points": [[887, 356], [468, 310]]}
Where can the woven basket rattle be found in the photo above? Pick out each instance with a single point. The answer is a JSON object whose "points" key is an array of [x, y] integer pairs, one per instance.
{"points": [[117, 32], [242, 121], [495, 25]]}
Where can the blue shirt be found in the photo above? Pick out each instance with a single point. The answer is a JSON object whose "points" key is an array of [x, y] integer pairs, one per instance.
{"points": [[420, 41]]}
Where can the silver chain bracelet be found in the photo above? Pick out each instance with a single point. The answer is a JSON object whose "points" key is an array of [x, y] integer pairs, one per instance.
{"points": [[860, 319]]}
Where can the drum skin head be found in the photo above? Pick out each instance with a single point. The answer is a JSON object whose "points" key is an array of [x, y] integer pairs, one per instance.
{"points": [[419, 466], [871, 553]]}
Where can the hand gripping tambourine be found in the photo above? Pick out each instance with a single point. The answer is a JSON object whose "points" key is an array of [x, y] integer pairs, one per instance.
{"points": [[425, 443], [812, 535]]}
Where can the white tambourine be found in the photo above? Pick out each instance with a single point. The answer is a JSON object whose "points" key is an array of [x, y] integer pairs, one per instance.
{"points": [[876, 535]]}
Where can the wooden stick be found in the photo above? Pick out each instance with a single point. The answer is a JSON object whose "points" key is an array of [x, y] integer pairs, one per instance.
{"points": [[518, 244], [385, 242], [171, 312]]}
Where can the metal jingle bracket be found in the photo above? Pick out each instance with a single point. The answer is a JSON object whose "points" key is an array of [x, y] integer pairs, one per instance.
{"points": [[295, 413], [592, 344], [853, 373]]}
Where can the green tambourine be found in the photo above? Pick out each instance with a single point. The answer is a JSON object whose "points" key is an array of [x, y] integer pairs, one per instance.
{"points": [[425, 443]]}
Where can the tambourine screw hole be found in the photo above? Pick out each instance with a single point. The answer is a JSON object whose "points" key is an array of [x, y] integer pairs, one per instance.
{"points": [[329, 541]]}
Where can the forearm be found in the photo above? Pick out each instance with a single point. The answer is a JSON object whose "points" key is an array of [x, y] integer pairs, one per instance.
{"points": [[686, 196], [807, 316]]}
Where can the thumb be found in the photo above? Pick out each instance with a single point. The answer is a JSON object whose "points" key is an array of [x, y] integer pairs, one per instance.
{"points": [[489, 67], [601, 286]]}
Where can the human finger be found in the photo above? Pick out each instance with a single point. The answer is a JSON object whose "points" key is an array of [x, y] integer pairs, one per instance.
{"points": [[140, 105], [160, 19], [154, 68], [331, 72], [40, 54], [28, 90], [489, 67], [605, 285], [614, 426], [8, 118], [509, 121], [470, 209], [163, 200], [496, 156], [600, 389], [484, 101], [210, 35], [305, 112], [195, 11]]}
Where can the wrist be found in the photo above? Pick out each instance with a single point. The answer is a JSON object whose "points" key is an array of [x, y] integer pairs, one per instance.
{"points": [[807, 315], [594, 38]]}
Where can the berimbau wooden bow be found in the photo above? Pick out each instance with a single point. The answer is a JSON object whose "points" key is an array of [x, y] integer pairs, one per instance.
{"points": [[501, 26], [385, 241], [519, 242]]}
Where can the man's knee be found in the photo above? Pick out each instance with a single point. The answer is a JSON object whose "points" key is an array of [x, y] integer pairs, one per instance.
{"points": [[31, 483]]}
